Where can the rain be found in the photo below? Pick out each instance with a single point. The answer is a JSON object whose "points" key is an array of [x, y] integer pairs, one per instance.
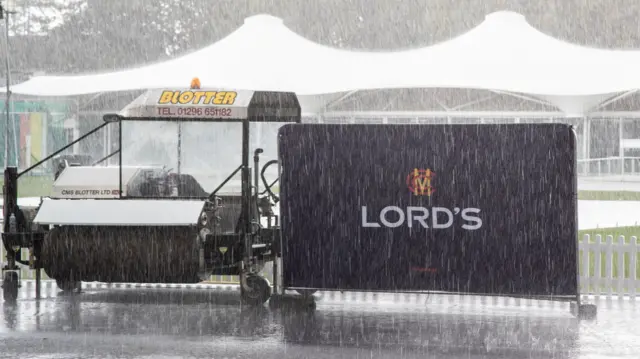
{"points": [[320, 179]]}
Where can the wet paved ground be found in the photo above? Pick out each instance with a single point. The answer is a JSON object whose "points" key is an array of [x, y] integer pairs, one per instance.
{"points": [[209, 322]]}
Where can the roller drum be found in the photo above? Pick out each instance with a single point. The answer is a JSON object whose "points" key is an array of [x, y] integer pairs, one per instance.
{"points": [[121, 254]]}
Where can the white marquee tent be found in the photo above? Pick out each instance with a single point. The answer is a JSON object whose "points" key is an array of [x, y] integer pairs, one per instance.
{"points": [[504, 54], [263, 54]]}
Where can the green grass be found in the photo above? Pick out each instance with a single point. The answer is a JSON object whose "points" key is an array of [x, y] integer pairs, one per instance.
{"points": [[609, 195]]}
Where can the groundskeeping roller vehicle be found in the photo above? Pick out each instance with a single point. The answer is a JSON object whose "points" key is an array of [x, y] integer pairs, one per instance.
{"points": [[470, 209], [155, 222]]}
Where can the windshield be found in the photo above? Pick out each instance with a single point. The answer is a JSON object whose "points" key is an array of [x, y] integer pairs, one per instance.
{"points": [[158, 152]]}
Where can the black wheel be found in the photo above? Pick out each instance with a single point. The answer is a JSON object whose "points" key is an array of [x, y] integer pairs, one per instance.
{"points": [[67, 285], [259, 290], [10, 287]]}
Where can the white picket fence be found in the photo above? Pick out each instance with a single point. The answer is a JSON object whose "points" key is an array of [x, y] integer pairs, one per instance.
{"points": [[608, 267]]}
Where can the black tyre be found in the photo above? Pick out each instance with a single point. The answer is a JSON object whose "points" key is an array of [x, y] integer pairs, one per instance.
{"points": [[67, 285], [10, 287], [259, 290]]}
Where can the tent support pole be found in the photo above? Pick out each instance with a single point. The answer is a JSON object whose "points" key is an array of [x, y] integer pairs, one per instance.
{"points": [[615, 114], [621, 145], [523, 97], [335, 102], [615, 98], [4, 13], [452, 114], [395, 97], [441, 104], [475, 102], [585, 139], [90, 100]]}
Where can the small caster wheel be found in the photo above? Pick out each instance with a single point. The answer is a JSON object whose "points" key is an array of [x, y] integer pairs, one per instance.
{"points": [[258, 291], [10, 285], [584, 311], [66, 285]]}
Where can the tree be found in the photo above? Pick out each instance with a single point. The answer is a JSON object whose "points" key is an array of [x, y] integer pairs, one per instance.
{"points": [[96, 35], [39, 17], [101, 35]]}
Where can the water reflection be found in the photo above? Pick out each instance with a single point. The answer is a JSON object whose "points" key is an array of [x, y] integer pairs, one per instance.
{"points": [[200, 313]]}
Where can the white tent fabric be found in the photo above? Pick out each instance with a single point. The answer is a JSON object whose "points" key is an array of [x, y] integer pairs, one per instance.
{"points": [[504, 53], [263, 54]]}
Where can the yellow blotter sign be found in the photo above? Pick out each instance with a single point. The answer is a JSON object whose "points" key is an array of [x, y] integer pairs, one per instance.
{"points": [[191, 97], [205, 104]]}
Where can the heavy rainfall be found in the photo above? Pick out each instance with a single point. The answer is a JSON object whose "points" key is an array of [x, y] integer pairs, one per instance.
{"points": [[320, 179]]}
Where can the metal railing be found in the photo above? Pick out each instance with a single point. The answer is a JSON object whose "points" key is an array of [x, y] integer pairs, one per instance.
{"points": [[609, 167]]}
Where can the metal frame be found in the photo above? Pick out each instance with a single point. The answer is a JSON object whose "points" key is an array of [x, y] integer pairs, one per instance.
{"points": [[4, 13], [574, 138], [30, 239], [578, 307], [33, 239], [244, 167], [456, 112]]}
